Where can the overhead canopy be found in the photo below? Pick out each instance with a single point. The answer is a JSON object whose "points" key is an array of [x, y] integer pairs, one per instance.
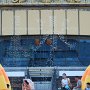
{"points": [[16, 74], [71, 73]]}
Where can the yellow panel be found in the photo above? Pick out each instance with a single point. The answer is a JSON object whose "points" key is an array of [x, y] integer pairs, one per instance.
{"points": [[84, 22], [7, 22], [20, 22], [59, 22], [33, 22], [72, 22], [46, 22]]}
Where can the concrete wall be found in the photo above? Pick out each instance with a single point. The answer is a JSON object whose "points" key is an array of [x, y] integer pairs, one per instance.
{"points": [[31, 22]]}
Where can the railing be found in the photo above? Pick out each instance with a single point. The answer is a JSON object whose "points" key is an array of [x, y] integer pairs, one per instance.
{"points": [[45, 1]]}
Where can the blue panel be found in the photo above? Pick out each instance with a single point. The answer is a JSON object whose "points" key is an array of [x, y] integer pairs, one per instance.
{"points": [[22, 51], [16, 62], [42, 54], [67, 54], [67, 62]]}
